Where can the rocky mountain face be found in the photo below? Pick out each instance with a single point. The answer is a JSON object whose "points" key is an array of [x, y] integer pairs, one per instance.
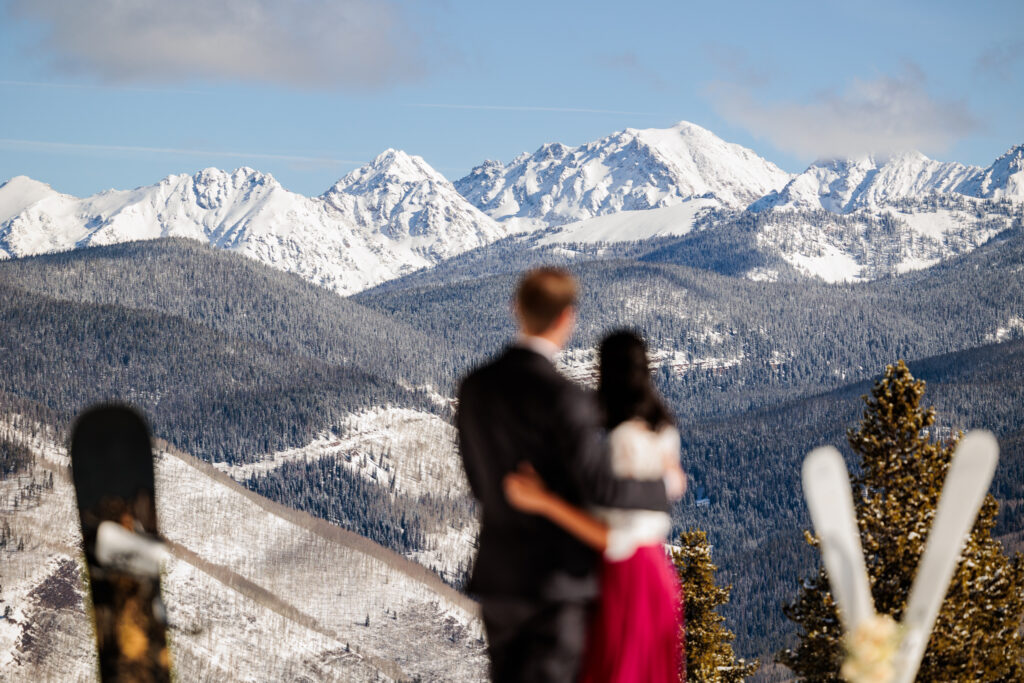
{"points": [[627, 171], [847, 185]]}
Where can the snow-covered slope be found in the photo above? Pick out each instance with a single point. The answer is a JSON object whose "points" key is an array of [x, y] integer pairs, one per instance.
{"points": [[391, 217], [870, 243], [846, 185], [19, 193], [859, 219], [627, 226], [1004, 179], [630, 170], [411, 450], [255, 591], [408, 453]]}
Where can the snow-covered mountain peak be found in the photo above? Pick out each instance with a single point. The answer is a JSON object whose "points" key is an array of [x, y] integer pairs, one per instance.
{"points": [[694, 134], [552, 150], [1014, 155], [239, 177], [391, 168], [633, 169], [25, 185], [1004, 179], [844, 185], [21, 192], [213, 188]]}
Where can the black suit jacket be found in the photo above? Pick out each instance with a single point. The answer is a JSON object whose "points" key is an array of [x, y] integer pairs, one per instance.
{"points": [[516, 408]]}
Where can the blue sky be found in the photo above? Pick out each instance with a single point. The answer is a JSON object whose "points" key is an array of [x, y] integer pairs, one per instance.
{"points": [[112, 93]]}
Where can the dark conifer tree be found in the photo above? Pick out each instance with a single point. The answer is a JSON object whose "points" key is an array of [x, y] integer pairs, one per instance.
{"points": [[977, 635], [709, 654]]}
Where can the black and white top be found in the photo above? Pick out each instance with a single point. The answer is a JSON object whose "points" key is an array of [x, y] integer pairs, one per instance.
{"points": [[638, 452]]}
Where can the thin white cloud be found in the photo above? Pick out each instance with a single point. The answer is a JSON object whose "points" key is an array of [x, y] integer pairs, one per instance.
{"points": [[49, 146], [884, 115], [307, 43], [629, 63], [737, 65], [1001, 60], [502, 107], [93, 86]]}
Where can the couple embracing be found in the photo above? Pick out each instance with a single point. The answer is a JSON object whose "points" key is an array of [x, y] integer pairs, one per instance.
{"points": [[574, 490]]}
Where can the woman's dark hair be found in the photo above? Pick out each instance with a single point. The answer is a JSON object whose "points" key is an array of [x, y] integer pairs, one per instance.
{"points": [[624, 388]]}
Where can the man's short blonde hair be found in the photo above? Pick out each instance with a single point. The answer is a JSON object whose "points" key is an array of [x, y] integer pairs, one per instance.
{"points": [[542, 295]]}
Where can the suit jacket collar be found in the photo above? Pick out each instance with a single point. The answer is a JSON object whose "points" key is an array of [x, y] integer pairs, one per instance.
{"points": [[538, 345]]}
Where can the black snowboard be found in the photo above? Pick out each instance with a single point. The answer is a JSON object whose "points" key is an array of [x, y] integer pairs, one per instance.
{"points": [[112, 467]]}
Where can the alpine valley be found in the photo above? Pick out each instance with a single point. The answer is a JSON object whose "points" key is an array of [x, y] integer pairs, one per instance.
{"points": [[298, 356]]}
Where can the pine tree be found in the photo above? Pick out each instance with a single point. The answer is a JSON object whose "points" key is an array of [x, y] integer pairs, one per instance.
{"points": [[977, 634], [709, 654]]}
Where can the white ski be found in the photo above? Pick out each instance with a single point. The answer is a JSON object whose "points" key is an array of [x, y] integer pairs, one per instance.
{"points": [[827, 490], [968, 479]]}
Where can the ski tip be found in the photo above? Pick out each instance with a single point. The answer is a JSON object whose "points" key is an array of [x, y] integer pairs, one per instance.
{"points": [[822, 461], [978, 451], [979, 441]]}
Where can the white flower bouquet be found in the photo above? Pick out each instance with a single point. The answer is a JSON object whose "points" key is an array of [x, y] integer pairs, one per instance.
{"points": [[871, 651]]}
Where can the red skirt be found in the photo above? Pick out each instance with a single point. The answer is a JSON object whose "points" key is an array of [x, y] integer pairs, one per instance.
{"points": [[637, 632]]}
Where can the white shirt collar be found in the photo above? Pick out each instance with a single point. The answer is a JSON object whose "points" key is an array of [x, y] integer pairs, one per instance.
{"points": [[540, 345]]}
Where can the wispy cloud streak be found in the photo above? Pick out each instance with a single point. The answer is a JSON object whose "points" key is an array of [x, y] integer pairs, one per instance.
{"points": [[1001, 60], [94, 86], [45, 145], [502, 107]]}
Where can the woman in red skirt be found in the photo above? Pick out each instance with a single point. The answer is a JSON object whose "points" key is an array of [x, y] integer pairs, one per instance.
{"points": [[636, 633]]}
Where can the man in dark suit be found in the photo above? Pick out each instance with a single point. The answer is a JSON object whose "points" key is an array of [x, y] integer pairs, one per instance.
{"points": [[535, 582]]}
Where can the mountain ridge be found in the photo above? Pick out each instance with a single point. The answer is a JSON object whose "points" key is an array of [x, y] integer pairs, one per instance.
{"points": [[409, 219], [846, 184], [396, 214], [628, 170]]}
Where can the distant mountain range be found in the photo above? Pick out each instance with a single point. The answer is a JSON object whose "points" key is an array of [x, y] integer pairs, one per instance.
{"points": [[397, 215], [390, 217]]}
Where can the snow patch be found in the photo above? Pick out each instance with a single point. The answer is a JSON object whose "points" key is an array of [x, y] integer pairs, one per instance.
{"points": [[628, 226], [1013, 329], [829, 263]]}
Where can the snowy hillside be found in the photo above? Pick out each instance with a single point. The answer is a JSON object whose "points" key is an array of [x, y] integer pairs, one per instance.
{"points": [[255, 591], [630, 170], [407, 453], [391, 217], [845, 185]]}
